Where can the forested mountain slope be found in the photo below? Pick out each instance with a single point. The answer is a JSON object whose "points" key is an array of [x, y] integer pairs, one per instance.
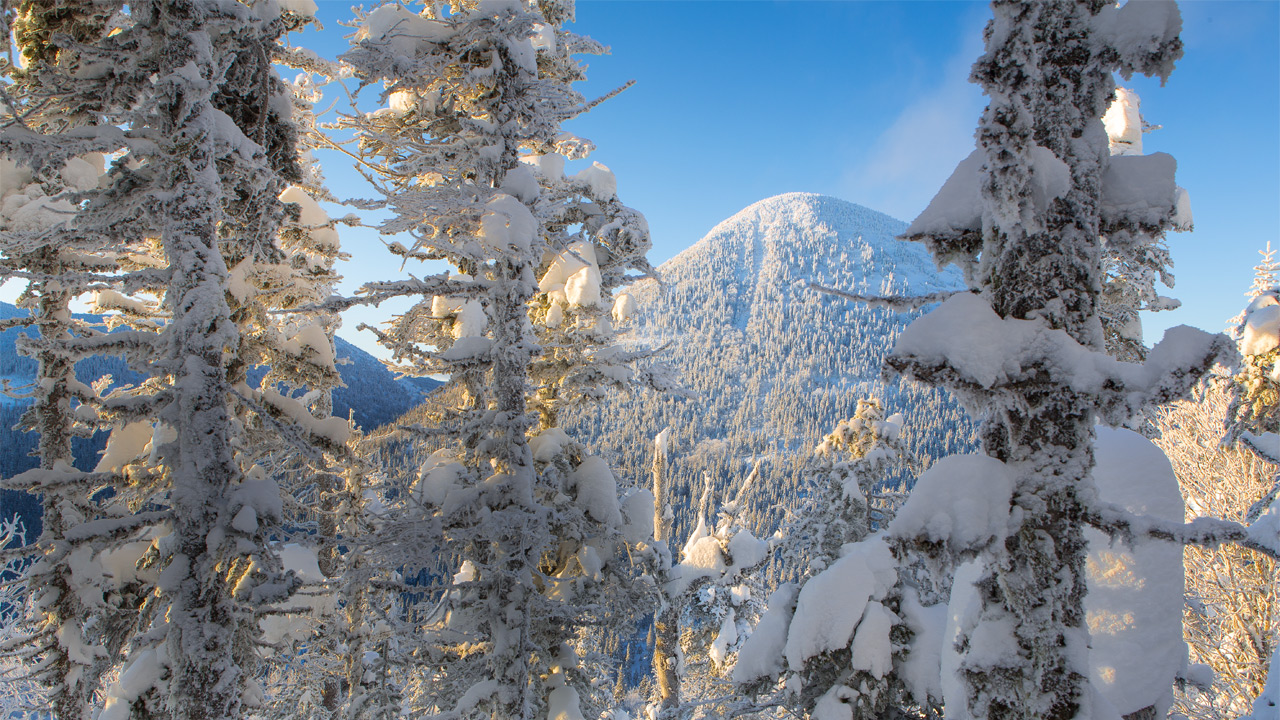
{"points": [[774, 364]]}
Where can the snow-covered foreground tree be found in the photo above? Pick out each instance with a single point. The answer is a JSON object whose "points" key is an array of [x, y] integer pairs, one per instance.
{"points": [[165, 545], [521, 536], [55, 264], [1023, 217]]}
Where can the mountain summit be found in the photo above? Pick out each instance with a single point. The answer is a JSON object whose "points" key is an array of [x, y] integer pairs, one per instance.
{"points": [[774, 364], [804, 237]]}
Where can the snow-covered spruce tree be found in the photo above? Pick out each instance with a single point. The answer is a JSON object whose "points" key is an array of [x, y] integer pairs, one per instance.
{"points": [[1266, 275], [73, 632], [191, 190], [1025, 350], [843, 503], [1254, 415], [709, 599], [191, 663], [1255, 409], [532, 537], [1135, 256]]}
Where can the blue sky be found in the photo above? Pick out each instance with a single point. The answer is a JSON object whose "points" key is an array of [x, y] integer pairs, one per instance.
{"points": [[736, 101], [739, 100]]}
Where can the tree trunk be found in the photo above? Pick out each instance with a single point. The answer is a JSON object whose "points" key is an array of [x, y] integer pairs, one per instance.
{"points": [[206, 665], [1041, 263]]}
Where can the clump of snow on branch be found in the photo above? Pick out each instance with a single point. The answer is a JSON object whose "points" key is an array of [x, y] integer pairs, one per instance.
{"points": [[831, 605], [961, 502], [1261, 326]]}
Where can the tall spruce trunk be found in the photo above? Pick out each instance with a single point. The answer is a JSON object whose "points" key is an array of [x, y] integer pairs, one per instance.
{"points": [[207, 673], [63, 508], [666, 626], [1047, 90]]}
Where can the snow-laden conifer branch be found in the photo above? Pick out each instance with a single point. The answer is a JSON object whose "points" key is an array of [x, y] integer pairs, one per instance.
{"points": [[965, 344], [1266, 445], [139, 278], [117, 527], [897, 303], [121, 342], [587, 107], [1203, 531], [27, 647], [135, 405], [39, 151], [57, 478], [14, 322], [375, 293], [311, 444], [19, 392], [301, 58]]}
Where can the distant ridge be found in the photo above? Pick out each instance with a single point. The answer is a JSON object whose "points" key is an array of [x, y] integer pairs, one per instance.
{"points": [[373, 397]]}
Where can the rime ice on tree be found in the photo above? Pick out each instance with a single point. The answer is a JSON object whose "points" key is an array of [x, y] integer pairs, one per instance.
{"points": [[1026, 350], [468, 154]]}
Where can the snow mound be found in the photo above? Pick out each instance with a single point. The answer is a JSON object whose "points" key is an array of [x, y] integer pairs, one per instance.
{"points": [[921, 671], [726, 638], [957, 207], [963, 609], [597, 491], [1139, 188], [547, 444], [1261, 325], [1134, 605], [1123, 121], [600, 179], [637, 514], [506, 224], [401, 31]]}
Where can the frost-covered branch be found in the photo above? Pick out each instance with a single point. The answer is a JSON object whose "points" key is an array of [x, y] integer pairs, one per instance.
{"points": [[117, 527], [375, 293], [1203, 531], [892, 302]]}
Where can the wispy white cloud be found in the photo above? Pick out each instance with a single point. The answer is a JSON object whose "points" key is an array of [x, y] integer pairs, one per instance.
{"points": [[916, 153]]}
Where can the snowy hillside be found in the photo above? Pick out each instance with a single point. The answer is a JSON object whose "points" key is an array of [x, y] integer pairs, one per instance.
{"points": [[774, 364]]}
